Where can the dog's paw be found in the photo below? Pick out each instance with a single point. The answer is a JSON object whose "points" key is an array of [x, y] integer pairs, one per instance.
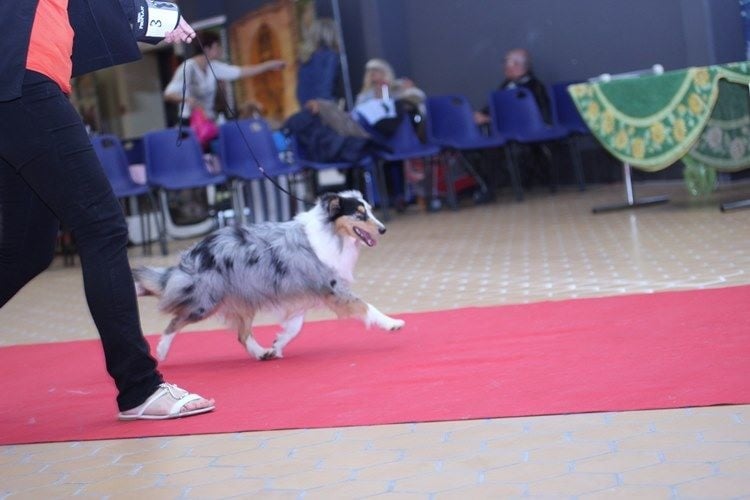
{"points": [[393, 324], [269, 354]]}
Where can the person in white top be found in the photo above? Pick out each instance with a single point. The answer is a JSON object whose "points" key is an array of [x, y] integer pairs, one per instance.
{"points": [[201, 87]]}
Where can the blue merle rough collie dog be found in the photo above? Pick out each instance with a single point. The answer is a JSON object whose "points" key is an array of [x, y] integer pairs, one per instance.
{"points": [[287, 268]]}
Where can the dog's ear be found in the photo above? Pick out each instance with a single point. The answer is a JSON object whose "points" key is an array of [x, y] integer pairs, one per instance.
{"points": [[331, 204]]}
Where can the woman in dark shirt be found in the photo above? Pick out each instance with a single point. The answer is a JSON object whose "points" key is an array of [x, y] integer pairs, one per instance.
{"points": [[49, 173]]}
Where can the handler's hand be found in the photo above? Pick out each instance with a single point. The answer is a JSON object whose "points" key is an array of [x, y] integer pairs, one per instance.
{"points": [[182, 33]]}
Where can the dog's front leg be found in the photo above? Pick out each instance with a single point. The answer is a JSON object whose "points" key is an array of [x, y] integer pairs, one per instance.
{"points": [[290, 328], [346, 304], [385, 322]]}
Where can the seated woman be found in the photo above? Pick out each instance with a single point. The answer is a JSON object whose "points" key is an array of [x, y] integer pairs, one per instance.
{"points": [[379, 82], [379, 76]]}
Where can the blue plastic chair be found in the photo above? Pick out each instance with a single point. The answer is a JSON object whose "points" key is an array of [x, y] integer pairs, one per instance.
{"points": [[134, 150], [171, 166], [567, 115], [112, 157], [241, 143], [450, 124], [565, 110], [403, 144], [516, 115], [365, 164]]}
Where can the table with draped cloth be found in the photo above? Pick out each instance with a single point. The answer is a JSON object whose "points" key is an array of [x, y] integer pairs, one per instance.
{"points": [[700, 115]]}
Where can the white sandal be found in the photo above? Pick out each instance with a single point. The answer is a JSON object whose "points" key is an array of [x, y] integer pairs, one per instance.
{"points": [[182, 396]]}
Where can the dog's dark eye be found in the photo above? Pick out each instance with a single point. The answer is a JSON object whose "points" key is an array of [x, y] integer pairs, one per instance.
{"points": [[361, 216]]}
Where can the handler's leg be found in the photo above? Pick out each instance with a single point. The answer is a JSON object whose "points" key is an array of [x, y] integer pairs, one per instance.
{"points": [[27, 233], [64, 172]]}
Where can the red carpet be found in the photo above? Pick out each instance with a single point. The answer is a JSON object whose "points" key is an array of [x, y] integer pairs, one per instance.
{"points": [[663, 350]]}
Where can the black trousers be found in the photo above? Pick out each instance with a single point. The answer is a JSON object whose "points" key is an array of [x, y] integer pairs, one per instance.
{"points": [[49, 173]]}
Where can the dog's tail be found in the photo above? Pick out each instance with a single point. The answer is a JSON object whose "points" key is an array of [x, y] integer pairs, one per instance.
{"points": [[151, 280], [178, 291]]}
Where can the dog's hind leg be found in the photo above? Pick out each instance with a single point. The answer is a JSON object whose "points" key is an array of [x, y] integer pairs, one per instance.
{"points": [[183, 319], [245, 337], [290, 328], [162, 349]]}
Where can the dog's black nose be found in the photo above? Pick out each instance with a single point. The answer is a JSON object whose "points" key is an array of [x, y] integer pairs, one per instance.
{"points": [[381, 230]]}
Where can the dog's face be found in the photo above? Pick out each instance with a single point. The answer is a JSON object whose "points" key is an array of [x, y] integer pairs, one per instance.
{"points": [[352, 217]]}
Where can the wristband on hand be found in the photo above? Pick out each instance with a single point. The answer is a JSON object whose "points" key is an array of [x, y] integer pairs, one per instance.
{"points": [[154, 19]]}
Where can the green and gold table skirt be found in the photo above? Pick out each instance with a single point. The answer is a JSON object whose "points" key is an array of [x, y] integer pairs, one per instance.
{"points": [[651, 122]]}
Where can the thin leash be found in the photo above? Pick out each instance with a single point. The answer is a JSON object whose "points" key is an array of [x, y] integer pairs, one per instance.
{"points": [[233, 117]]}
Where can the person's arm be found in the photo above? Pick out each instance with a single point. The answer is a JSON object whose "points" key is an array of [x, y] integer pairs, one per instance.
{"points": [[257, 69], [153, 21], [230, 72], [484, 115]]}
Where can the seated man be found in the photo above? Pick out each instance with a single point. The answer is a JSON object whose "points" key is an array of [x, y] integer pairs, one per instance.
{"points": [[518, 73]]}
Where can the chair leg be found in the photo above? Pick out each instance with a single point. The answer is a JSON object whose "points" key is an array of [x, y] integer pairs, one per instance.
{"points": [[554, 169], [280, 215], [429, 176], [369, 187], [469, 168], [382, 190], [513, 172], [490, 174], [131, 202], [145, 231], [238, 201], [291, 181], [230, 193], [278, 195], [450, 180], [575, 153], [314, 182], [354, 178], [161, 222], [291, 202], [269, 215], [303, 179], [147, 218]]}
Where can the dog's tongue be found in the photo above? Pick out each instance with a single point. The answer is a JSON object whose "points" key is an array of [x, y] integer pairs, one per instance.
{"points": [[365, 236]]}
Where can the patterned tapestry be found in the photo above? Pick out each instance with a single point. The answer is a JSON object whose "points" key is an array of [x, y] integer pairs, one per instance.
{"points": [[652, 122], [271, 32]]}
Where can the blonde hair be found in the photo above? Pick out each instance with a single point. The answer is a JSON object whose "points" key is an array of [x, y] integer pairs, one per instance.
{"points": [[322, 33], [377, 65]]}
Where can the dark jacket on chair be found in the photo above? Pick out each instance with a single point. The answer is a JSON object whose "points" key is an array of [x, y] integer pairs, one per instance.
{"points": [[105, 35], [320, 143]]}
